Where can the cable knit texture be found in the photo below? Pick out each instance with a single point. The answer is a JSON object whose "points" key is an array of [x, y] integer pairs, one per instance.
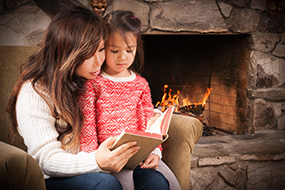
{"points": [[120, 103]]}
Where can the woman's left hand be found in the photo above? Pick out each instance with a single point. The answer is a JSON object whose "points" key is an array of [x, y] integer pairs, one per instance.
{"points": [[151, 162]]}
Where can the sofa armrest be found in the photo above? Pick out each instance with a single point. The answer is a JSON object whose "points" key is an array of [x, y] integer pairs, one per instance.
{"points": [[184, 132], [18, 170]]}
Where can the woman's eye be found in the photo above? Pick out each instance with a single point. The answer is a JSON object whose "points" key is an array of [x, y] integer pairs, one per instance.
{"points": [[114, 51], [102, 49], [130, 51]]}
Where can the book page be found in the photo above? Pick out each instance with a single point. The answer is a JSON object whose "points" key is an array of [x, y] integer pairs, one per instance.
{"points": [[162, 123]]}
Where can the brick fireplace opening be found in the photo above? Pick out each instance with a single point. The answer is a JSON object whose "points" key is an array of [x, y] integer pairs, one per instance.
{"points": [[191, 64]]}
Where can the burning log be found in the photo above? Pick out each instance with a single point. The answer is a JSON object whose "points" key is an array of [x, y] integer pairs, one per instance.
{"points": [[193, 109]]}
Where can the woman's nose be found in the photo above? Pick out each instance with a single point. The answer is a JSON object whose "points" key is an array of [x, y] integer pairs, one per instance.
{"points": [[99, 59]]}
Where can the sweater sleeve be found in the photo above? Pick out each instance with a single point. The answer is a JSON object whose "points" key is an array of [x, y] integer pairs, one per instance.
{"points": [[149, 111], [88, 138], [36, 126], [147, 102]]}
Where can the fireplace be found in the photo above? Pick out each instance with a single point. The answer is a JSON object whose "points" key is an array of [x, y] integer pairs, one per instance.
{"points": [[236, 45], [193, 63]]}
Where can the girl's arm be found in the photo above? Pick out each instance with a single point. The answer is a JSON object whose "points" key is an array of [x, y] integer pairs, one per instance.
{"points": [[88, 140], [151, 116], [147, 102]]}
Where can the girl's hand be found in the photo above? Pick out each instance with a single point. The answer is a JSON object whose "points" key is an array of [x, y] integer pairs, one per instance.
{"points": [[151, 162], [116, 159], [153, 119]]}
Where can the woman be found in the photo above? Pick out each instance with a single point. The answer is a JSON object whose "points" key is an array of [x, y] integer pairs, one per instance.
{"points": [[44, 104]]}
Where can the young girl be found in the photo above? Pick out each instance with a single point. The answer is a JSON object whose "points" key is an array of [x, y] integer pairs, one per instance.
{"points": [[123, 101], [45, 110]]}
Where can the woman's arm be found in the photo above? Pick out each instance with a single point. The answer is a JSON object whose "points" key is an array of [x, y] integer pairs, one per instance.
{"points": [[36, 126]]}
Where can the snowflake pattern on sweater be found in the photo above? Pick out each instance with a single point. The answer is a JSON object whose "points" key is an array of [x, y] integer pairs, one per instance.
{"points": [[111, 105]]}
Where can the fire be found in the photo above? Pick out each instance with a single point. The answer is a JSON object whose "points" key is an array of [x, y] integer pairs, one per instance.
{"points": [[202, 102], [168, 100]]}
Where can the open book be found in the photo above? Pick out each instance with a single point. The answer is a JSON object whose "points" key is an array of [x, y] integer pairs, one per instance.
{"points": [[148, 140]]}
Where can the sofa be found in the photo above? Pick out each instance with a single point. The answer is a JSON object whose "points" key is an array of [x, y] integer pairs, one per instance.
{"points": [[18, 170]]}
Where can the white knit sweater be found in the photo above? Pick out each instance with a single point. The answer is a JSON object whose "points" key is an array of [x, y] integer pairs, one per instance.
{"points": [[36, 126]]}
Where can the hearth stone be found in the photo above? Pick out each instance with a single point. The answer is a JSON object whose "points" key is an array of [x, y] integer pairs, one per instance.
{"points": [[243, 162]]}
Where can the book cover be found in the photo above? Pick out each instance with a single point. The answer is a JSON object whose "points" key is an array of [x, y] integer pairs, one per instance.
{"points": [[148, 140]]}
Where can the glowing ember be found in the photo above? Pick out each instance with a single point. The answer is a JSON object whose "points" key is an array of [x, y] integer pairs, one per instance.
{"points": [[168, 100]]}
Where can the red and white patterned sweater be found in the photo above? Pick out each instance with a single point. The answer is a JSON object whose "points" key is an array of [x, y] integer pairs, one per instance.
{"points": [[120, 103]]}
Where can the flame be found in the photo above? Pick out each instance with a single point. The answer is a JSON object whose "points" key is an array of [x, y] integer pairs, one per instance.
{"points": [[168, 100], [206, 95]]}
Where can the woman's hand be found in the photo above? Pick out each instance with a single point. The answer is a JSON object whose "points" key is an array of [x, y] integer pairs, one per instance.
{"points": [[151, 162], [116, 159]]}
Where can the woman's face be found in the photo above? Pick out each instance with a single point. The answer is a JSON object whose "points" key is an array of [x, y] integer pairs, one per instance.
{"points": [[90, 68]]}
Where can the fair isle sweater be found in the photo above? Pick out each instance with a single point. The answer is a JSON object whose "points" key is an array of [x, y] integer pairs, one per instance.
{"points": [[36, 126], [120, 103]]}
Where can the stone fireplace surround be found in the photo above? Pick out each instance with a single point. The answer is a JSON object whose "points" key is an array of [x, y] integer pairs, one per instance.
{"points": [[191, 64], [263, 35]]}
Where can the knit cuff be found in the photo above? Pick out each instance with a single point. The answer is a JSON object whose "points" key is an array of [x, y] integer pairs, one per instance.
{"points": [[157, 152]]}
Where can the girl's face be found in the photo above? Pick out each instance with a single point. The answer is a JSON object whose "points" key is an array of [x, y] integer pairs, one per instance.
{"points": [[90, 68], [120, 54]]}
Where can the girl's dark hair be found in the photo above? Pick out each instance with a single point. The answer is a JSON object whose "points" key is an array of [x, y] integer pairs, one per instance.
{"points": [[71, 37], [123, 22]]}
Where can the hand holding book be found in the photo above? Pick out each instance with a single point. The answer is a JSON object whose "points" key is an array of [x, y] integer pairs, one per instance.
{"points": [[114, 160], [148, 140], [151, 162]]}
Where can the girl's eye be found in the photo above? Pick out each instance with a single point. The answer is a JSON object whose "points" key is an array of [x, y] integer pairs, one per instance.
{"points": [[114, 51], [102, 49], [130, 51]]}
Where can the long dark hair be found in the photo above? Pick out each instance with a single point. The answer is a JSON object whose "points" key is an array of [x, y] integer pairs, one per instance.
{"points": [[71, 37], [123, 22]]}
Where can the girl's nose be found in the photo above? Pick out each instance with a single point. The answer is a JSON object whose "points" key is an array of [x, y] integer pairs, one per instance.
{"points": [[122, 56]]}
